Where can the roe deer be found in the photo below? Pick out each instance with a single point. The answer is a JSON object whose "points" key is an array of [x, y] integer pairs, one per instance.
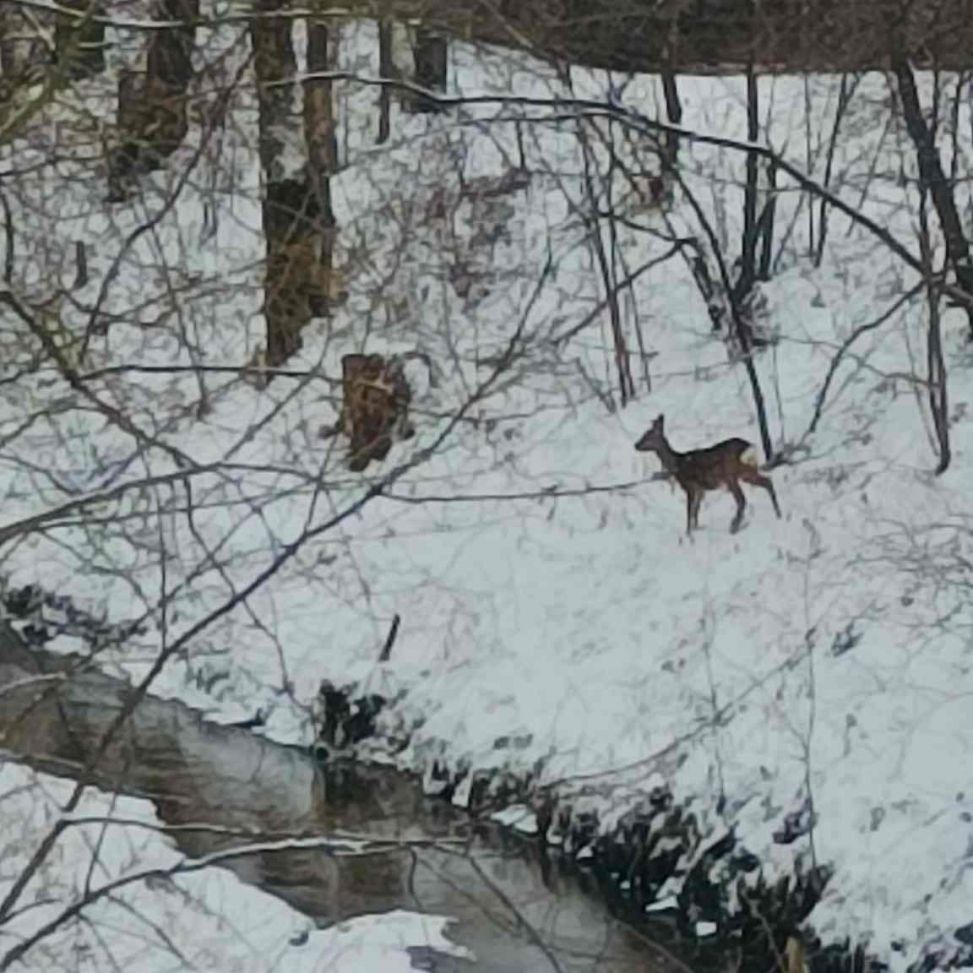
{"points": [[699, 470]]}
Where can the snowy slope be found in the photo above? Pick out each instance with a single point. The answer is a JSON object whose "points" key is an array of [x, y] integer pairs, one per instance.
{"points": [[820, 661]]}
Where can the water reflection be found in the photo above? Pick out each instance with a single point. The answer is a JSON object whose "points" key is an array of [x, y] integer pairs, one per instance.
{"points": [[512, 913]]}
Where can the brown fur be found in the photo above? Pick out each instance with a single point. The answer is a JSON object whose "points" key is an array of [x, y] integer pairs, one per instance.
{"points": [[375, 407], [724, 464]]}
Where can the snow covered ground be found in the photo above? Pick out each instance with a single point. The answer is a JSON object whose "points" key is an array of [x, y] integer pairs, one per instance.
{"points": [[819, 664]]}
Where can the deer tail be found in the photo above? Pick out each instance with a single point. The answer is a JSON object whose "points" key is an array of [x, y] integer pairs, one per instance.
{"points": [[749, 458]]}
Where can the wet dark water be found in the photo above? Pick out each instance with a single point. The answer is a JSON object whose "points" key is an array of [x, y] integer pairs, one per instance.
{"points": [[515, 909]]}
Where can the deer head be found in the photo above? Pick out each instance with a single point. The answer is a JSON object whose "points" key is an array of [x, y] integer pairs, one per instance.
{"points": [[653, 438]]}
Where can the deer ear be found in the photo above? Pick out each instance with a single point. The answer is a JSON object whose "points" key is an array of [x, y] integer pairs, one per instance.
{"points": [[660, 421]]}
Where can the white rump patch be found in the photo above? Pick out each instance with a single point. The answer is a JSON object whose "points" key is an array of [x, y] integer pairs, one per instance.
{"points": [[749, 457]]}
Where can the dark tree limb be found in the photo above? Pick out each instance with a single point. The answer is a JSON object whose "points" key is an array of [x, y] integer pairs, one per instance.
{"points": [[322, 156], [626, 385], [80, 265], [386, 652], [748, 245], [765, 225], [935, 363], [386, 70], [846, 344], [673, 114], [934, 179], [8, 238], [740, 325], [845, 92]]}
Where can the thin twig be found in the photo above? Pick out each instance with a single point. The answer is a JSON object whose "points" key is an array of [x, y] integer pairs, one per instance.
{"points": [[390, 639], [847, 343]]}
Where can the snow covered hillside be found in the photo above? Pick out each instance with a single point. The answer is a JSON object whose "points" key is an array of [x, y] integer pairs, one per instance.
{"points": [[555, 619]]}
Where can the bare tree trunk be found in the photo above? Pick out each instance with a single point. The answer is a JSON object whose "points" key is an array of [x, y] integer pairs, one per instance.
{"points": [[170, 54], [674, 116], [80, 41], [292, 281], [386, 69], [742, 293], [431, 63], [287, 205], [938, 398], [152, 120], [322, 154], [626, 384], [765, 225], [742, 332], [748, 247], [11, 59], [20, 49], [932, 176], [845, 92], [274, 63]]}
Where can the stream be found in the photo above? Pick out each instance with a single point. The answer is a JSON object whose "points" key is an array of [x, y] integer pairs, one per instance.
{"points": [[516, 909]]}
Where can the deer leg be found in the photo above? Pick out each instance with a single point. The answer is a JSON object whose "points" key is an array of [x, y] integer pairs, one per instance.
{"points": [[758, 479], [689, 512], [741, 505], [381, 446], [697, 503], [358, 459]]}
